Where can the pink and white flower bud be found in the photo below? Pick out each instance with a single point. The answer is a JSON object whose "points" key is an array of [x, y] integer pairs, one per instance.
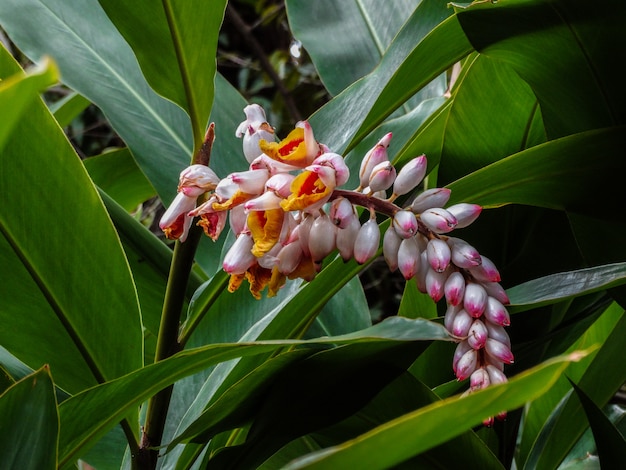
{"points": [[176, 222], [461, 324], [408, 258], [322, 238], [486, 271], [251, 181], [448, 317], [463, 254], [382, 177], [263, 162], [496, 376], [467, 364], [454, 290], [477, 335], [237, 218], [495, 290], [438, 220], [337, 163], [372, 158], [342, 212], [439, 254], [499, 351], [498, 333], [475, 299], [496, 313], [196, 180], [280, 184], [410, 175], [367, 241], [460, 350], [239, 257], [430, 199], [465, 213], [226, 189], [270, 259], [479, 379], [391, 245], [435, 282], [253, 129], [405, 224], [346, 238], [266, 201], [289, 257]]}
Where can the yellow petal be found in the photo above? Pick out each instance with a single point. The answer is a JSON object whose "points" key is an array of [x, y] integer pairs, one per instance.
{"points": [[238, 198], [265, 228], [291, 150], [306, 190]]}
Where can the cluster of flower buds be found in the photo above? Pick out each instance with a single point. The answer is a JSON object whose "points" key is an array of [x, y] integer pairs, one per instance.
{"points": [[288, 214]]}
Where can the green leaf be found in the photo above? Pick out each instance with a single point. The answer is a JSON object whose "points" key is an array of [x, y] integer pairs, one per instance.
{"points": [[552, 175], [108, 403], [30, 426], [365, 29], [152, 127], [175, 44], [346, 119], [416, 432], [17, 92], [66, 109], [544, 42], [69, 284], [600, 378], [556, 287], [611, 444], [117, 174]]}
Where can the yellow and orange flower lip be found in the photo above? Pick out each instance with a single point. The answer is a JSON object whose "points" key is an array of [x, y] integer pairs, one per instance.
{"points": [[299, 148]]}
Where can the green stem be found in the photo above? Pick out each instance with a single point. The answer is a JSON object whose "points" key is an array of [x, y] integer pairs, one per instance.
{"points": [[167, 342]]}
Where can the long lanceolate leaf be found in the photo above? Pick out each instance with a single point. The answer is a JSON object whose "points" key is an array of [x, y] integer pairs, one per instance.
{"points": [[65, 280], [108, 403], [353, 34], [30, 424], [175, 44], [416, 432]]}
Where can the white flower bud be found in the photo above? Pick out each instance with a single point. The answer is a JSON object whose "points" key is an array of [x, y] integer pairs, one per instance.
{"points": [[477, 335], [438, 220], [499, 351], [486, 271], [405, 224], [439, 254], [391, 245], [450, 315], [289, 257], [435, 282], [479, 379], [496, 313], [498, 333], [465, 213], [494, 289], [429, 199], [367, 241], [496, 376], [372, 158], [239, 257], [346, 237], [410, 175], [467, 364], [304, 232], [460, 350], [475, 299], [454, 290], [322, 238], [463, 254], [461, 324], [342, 212], [408, 258], [382, 177]]}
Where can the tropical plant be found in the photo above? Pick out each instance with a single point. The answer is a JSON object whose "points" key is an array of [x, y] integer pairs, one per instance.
{"points": [[120, 349]]}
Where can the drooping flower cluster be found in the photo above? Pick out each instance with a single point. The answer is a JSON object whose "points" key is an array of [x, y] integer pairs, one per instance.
{"points": [[288, 214]]}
